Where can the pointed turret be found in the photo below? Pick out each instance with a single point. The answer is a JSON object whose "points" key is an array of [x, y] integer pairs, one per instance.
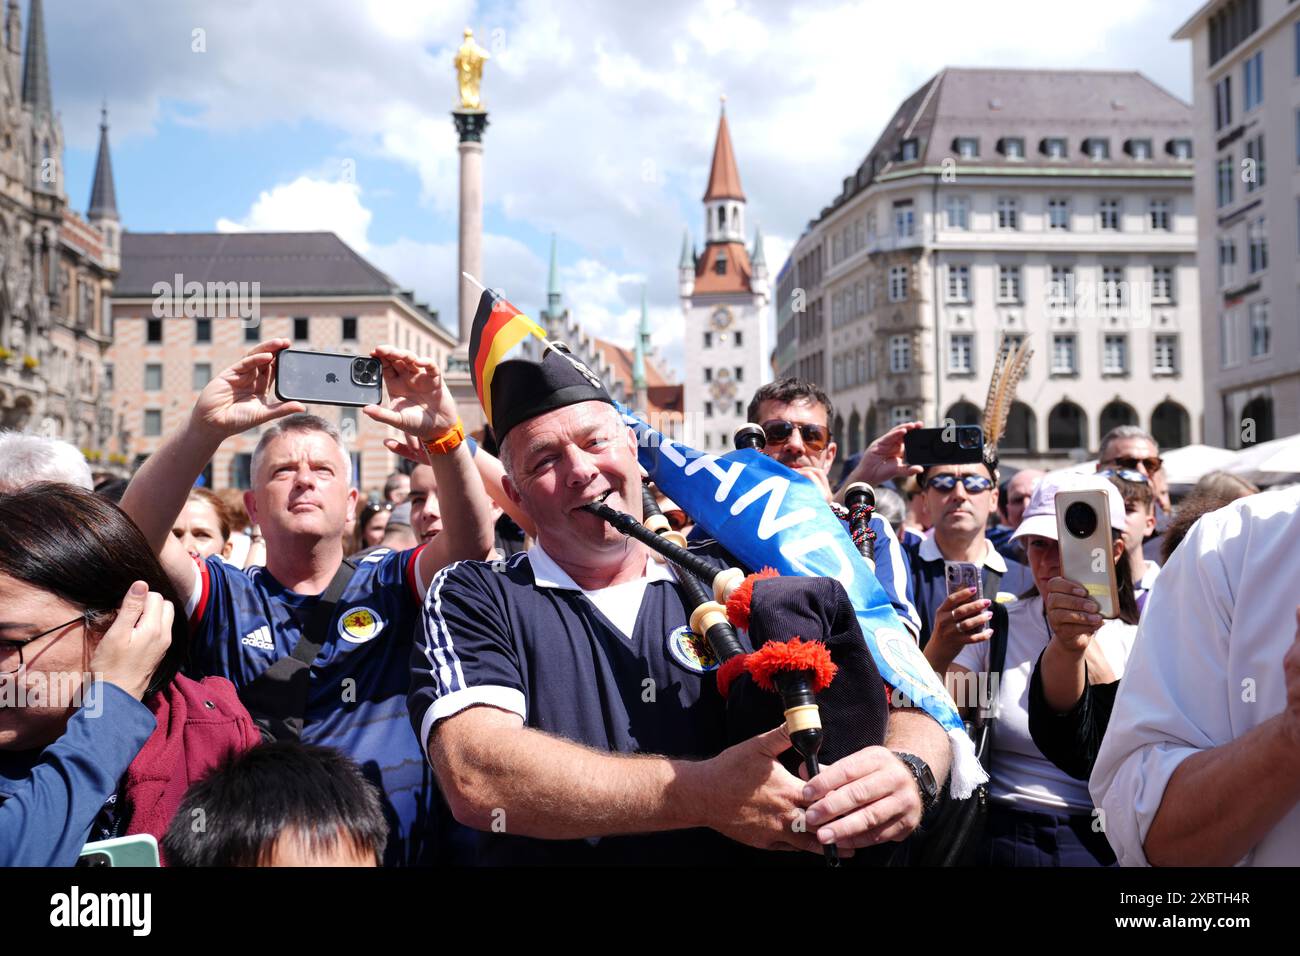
{"points": [[103, 197], [758, 261], [36, 65], [724, 200], [686, 266]]}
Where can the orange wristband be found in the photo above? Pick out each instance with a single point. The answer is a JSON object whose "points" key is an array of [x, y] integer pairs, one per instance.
{"points": [[448, 442]]}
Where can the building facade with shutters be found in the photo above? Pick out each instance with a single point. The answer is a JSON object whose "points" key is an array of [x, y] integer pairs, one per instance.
{"points": [[1002, 204], [1246, 108], [188, 305]]}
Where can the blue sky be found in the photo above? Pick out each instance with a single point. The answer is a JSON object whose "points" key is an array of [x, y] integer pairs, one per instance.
{"points": [[334, 114]]}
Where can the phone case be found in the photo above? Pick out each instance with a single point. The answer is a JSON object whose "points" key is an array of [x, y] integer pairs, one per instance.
{"points": [[322, 378], [962, 445], [138, 850], [1080, 557], [963, 574]]}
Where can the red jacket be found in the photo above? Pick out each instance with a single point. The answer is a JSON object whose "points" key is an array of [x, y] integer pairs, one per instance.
{"points": [[199, 724]]}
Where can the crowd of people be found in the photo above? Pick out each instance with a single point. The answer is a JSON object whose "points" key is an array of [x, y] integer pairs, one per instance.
{"points": [[470, 667]]}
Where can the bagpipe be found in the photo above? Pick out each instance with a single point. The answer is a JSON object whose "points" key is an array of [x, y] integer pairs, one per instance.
{"points": [[788, 649]]}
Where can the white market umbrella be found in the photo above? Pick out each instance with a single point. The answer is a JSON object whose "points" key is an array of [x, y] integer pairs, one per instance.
{"points": [[1186, 465], [1278, 457]]}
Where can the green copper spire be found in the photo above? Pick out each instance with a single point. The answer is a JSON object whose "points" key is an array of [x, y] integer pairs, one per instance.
{"points": [[688, 254], [757, 259]]}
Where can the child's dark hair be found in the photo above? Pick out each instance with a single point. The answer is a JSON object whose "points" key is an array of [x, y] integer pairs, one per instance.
{"points": [[284, 789]]}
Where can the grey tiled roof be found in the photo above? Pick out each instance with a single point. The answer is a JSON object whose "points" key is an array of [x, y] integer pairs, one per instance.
{"points": [[285, 263], [1033, 105]]}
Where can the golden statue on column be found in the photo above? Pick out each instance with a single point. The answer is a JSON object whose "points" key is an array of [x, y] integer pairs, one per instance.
{"points": [[469, 70]]}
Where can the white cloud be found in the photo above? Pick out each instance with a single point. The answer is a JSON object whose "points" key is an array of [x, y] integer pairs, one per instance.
{"points": [[308, 205]]}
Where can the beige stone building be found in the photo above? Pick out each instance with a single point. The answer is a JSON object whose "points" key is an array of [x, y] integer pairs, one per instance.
{"points": [[188, 305], [1047, 204], [56, 268], [1246, 108]]}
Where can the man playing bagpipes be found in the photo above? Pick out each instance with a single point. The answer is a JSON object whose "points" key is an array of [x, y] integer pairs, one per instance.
{"points": [[567, 709]]}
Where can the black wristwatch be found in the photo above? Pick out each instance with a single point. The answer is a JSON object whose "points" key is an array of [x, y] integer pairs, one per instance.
{"points": [[923, 777]]}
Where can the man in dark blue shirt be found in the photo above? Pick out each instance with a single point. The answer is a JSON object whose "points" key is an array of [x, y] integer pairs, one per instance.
{"points": [[245, 622], [562, 698]]}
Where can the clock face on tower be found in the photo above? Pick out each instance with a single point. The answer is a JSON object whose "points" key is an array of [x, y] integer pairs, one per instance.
{"points": [[721, 319]]}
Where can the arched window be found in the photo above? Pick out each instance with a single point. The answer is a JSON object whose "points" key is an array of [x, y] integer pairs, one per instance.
{"points": [[963, 413], [1067, 427], [837, 433], [1260, 411], [1113, 416], [1021, 431], [872, 425], [722, 218], [855, 433], [1170, 425]]}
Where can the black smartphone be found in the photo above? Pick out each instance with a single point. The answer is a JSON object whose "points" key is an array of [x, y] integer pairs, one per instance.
{"points": [[328, 378], [949, 445]]}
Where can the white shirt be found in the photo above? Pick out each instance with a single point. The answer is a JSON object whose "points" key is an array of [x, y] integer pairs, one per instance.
{"points": [[620, 603], [1021, 776], [1207, 666]]}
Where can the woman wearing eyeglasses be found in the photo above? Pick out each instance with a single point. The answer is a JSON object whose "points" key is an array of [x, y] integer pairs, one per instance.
{"points": [[99, 733], [1039, 815]]}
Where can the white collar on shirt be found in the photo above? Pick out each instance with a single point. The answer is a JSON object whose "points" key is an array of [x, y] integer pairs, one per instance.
{"points": [[1149, 579], [992, 559], [548, 574]]}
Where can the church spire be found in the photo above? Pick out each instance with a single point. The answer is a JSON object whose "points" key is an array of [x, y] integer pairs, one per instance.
{"points": [[103, 197], [724, 176], [640, 400], [36, 65], [553, 281]]}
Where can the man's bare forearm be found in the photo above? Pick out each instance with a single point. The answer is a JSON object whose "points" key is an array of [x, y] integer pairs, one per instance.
{"points": [[537, 785], [1220, 803], [158, 491], [914, 731]]}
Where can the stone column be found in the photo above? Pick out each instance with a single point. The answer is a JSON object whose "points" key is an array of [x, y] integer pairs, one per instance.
{"points": [[469, 127]]}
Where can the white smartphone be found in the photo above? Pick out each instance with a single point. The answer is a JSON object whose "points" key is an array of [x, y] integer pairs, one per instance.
{"points": [[1083, 530]]}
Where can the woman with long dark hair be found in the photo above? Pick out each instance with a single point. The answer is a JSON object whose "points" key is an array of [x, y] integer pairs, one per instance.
{"points": [[100, 734], [1038, 814]]}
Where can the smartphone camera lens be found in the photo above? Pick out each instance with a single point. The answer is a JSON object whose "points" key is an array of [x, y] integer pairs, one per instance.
{"points": [[968, 439], [1080, 520], [365, 371]]}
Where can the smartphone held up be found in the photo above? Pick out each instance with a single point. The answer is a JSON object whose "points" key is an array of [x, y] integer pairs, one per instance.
{"points": [[1083, 533], [328, 378], [947, 445]]}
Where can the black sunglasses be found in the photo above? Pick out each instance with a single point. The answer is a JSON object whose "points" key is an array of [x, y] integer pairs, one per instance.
{"points": [[1152, 464], [973, 484], [778, 432]]}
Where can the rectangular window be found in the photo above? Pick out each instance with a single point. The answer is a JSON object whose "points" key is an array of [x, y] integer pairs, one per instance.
{"points": [[1229, 338], [1252, 172], [1108, 213], [202, 375], [1063, 353], [1114, 354], [202, 330], [1160, 219], [108, 376], [1060, 291], [958, 283], [1222, 103], [1257, 243], [1164, 354], [740, 373], [708, 374], [736, 339], [904, 222], [1008, 283], [1012, 340], [1182, 149], [1058, 214], [708, 340], [1008, 212], [1013, 148], [251, 333], [1055, 147], [968, 147], [957, 210], [1253, 82], [901, 414], [897, 283], [153, 331], [1162, 284], [1098, 149], [909, 150], [740, 409], [1260, 333], [1112, 288], [152, 422], [900, 353], [961, 347], [301, 332], [349, 328], [1139, 148], [153, 377], [1223, 177], [708, 409]]}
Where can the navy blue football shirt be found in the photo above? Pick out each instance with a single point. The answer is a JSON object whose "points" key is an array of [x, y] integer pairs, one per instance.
{"points": [[521, 636], [243, 622]]}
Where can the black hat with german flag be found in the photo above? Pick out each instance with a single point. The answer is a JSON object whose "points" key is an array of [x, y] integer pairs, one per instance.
{"points": [[512, 386]]}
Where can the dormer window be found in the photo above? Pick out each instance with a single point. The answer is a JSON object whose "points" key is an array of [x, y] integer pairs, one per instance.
{"points": [[1097, 149], [720, 263], [1180, 148], [1054, 147], [1138, 148], [1012, 148], [910, 150], [967, 147]]}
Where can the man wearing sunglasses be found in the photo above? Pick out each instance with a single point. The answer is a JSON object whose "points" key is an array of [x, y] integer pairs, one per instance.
{"points": [[795, 417], [1129, 447], [960, 499]]}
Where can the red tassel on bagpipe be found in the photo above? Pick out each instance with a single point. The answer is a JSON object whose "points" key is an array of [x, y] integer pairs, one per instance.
{"points": [[741, 598], [793, 655]]}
